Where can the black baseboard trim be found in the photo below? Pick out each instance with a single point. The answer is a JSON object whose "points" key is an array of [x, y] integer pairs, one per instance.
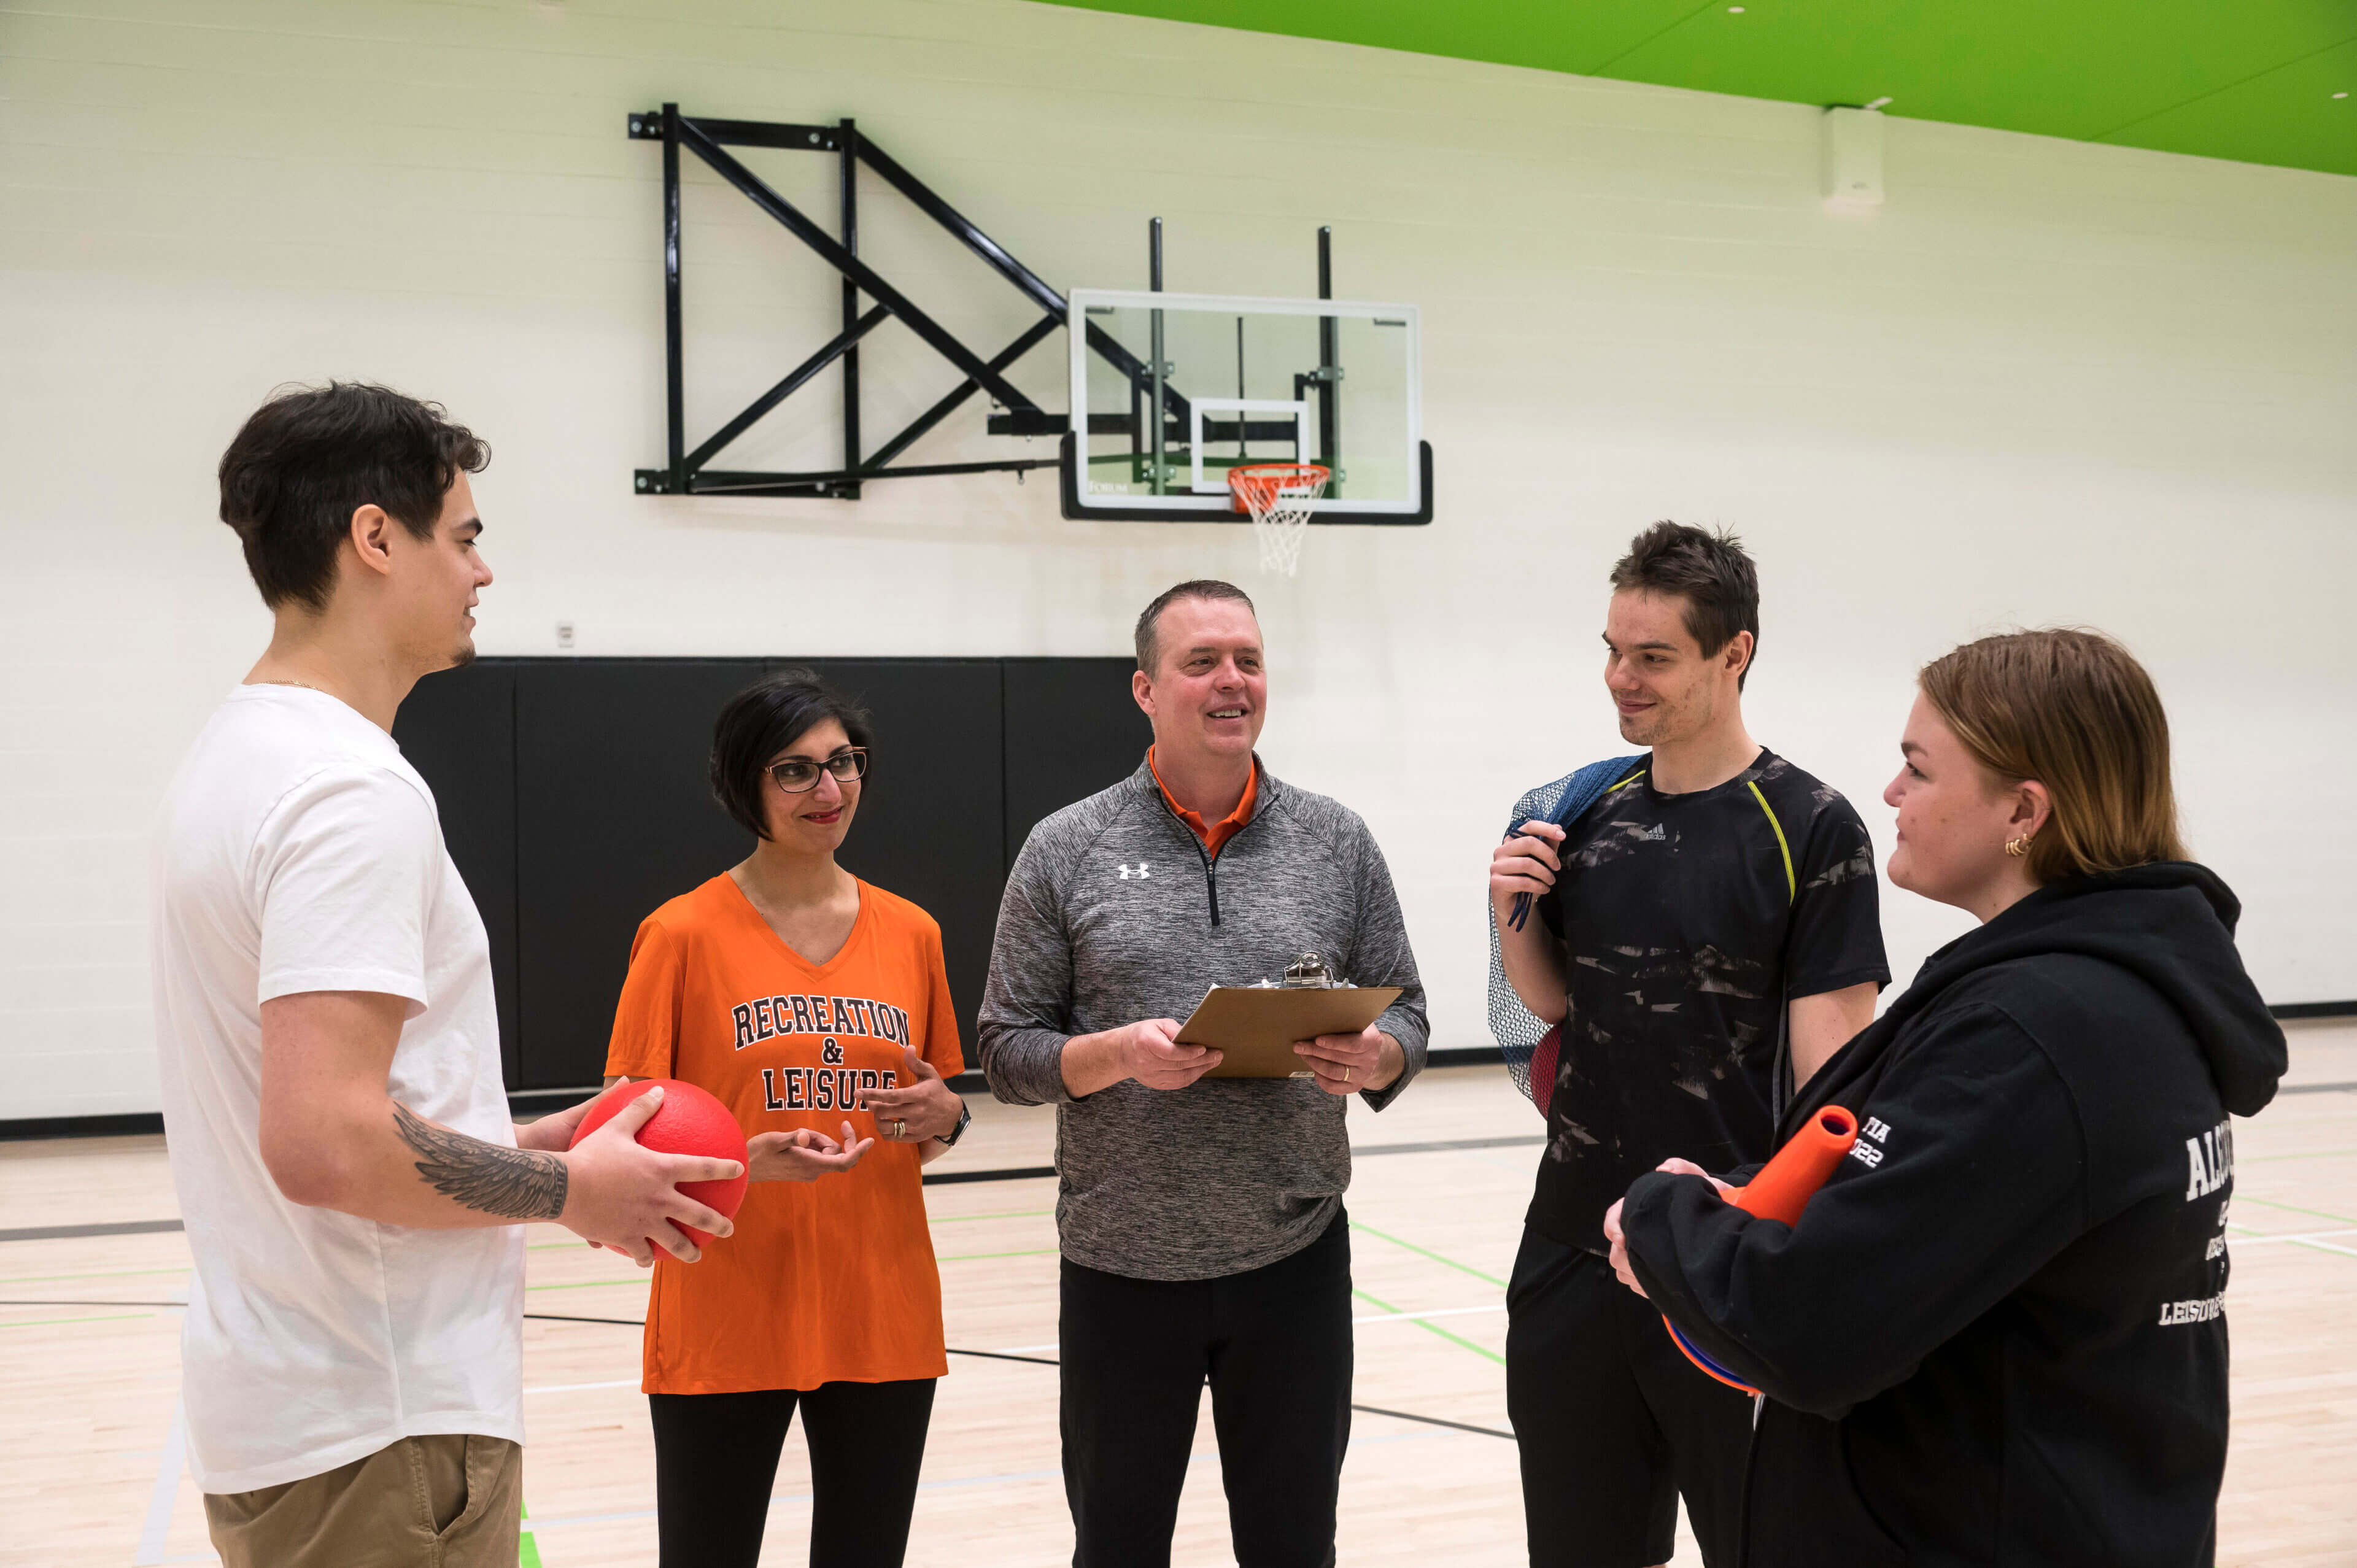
{"points": [[2286, 1011], [130, 1124], [1465, 1056]]}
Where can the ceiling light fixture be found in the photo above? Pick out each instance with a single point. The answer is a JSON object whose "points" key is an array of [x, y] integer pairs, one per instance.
{"points": [[1880, 102], [2341, 95], [1735, 10]]}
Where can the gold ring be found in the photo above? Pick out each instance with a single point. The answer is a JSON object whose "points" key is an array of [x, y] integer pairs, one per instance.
{"points": [[1346, 1074], [900, 1128]]}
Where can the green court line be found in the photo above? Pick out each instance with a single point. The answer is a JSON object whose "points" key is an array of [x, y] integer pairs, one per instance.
{"points": [[1435, 1257], [1431, 1328], [977, 1257], [2296, 1241], [2240, 1198], [527, 1549], [38, 1322], [111, 1275]]}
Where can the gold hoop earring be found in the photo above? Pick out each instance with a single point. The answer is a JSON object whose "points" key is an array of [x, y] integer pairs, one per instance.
{"points": [[2019, 847]]}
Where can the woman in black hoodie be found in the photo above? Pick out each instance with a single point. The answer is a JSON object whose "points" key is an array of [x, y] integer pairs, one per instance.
{"points": [[1998, 1335]]}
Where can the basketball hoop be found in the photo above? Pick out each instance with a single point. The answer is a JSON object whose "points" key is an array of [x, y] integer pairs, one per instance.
{"points": [[1278, 495]]}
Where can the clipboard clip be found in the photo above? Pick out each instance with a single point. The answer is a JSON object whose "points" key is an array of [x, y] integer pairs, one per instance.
{"points": [[1308, 973]]}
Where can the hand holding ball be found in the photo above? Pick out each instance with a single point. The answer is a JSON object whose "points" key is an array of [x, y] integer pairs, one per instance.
{"points": [[690, 1121]]}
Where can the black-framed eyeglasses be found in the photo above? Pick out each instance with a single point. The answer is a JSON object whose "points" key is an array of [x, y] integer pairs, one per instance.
{"points": [[799, 775]]}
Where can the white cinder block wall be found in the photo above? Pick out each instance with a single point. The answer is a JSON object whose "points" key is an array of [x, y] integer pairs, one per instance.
{"points": [[2049, 383]]}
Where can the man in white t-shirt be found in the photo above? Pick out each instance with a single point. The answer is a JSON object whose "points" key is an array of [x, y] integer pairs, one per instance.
{"points": [[351, 1179]]}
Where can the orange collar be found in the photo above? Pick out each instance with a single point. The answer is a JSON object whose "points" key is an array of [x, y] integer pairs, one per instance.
{"points": [[1213, 834]]}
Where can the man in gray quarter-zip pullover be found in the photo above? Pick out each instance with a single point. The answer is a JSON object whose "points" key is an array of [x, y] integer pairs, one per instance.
{"points": [[1201, 1222]]}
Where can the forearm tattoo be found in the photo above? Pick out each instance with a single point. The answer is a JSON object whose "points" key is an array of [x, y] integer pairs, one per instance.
{"points": [[514, 1184]]}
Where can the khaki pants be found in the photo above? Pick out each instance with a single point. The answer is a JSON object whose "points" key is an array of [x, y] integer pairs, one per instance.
{"points": [[450, 1501]]}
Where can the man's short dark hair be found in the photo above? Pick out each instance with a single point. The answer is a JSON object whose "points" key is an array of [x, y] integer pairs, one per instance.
{"points": [[311, 456], [1149, 623], [1710, 571], [761, 721]]}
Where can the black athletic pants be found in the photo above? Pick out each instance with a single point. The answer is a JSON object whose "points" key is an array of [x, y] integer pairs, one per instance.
{"points": [[1274, 1343], [1613, 1422], [716, 1458]]}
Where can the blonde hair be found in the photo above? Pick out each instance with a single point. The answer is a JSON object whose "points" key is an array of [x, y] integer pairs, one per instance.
{"points": [[2073, 710]]}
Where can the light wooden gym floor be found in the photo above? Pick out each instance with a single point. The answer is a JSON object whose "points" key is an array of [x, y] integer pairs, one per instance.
{"points": [[90, 1469]]}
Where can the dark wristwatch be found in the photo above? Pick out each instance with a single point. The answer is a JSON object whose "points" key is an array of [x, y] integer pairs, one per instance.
{"points": [[966, 1120]]}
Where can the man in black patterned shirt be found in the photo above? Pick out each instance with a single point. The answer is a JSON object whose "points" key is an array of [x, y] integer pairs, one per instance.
{"points": [[1709, 936]]}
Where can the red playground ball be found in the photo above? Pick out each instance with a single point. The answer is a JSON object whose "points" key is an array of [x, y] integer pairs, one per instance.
{"points": [[688, 1121]]}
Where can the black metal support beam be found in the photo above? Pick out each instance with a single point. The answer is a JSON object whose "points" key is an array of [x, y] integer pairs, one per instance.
{"points": [[674, 374], [847, 196], [684, 473], [942, 410], [831, 482], [922, 196], [1330, 372], [936, 336], [841, 346]]}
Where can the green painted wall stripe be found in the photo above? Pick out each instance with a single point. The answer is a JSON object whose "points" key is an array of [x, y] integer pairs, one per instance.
{"points": [[2252, 81]]}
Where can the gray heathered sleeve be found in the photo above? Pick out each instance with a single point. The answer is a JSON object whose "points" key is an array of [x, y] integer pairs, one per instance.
{"points": [[1027, 1002], [1384, 958]]}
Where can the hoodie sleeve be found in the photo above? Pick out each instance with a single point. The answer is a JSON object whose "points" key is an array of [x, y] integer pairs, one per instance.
{"points": [[1968, 1175]]}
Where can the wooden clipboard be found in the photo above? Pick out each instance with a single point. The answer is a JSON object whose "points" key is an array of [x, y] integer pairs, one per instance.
{"points": [[1255, 1026]]}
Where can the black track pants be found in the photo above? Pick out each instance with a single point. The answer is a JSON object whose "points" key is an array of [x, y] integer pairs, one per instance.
{"points": [[717, 1460], [1613, 1422], [1274, 1343]]}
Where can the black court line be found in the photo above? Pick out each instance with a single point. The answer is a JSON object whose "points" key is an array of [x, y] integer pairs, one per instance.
{"points": [[1023, 1173], [70, 1232], [1004, 1356], [1026, 1172], [1435, 1421], [941, 1179]]}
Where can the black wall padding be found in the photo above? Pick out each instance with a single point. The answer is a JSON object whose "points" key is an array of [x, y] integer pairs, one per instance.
{"points": [[457, 729], [1072, 728], [934, 809], [573, 797], [612, 818]]}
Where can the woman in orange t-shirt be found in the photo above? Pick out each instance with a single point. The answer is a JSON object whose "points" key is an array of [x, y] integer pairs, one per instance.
{"points": [[807, 1001]]}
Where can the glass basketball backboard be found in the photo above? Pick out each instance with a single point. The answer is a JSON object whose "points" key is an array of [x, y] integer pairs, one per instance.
{"points": [[1241, 381]]}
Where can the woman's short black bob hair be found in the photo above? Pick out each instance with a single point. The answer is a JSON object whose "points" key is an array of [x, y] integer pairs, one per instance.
{"points": [[761, 721]]}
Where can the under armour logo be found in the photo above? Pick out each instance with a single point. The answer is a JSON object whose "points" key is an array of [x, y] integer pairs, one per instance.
{"points": [[1138, 871]]}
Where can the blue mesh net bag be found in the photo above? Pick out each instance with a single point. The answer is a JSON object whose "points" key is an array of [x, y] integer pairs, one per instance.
{"points": [[1529, 1047]]}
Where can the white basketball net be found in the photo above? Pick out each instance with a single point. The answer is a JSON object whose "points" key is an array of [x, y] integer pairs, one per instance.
{"points": [[1277, 498]]}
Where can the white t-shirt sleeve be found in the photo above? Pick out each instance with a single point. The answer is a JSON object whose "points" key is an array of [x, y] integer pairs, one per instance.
{"points": [[348, 865]]}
